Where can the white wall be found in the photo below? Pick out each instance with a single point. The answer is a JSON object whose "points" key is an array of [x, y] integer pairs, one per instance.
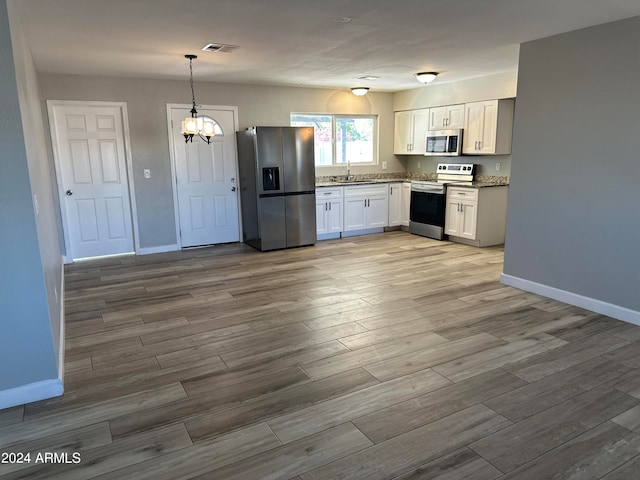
{"points": [[257, 105], [573, 225], [30, 284], [501, 85]]}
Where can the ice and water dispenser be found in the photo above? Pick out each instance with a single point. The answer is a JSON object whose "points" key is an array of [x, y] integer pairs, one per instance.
{"points": [[270, 178]]}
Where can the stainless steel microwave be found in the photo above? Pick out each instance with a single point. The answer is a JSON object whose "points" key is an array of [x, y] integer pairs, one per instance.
{"points": [[444, 143]]}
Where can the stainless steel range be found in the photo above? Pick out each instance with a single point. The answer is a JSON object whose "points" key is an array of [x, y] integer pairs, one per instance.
{"points": [[428, 198]]}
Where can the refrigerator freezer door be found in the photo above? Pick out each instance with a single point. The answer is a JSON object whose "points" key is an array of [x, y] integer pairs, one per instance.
{"points": [[298, 159], [301, 219]]}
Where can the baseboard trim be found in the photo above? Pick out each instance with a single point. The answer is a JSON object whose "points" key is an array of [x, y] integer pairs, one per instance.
{"points": [[62, 331], [31, 393], [598, 306], [161, 249], [367, 231]]}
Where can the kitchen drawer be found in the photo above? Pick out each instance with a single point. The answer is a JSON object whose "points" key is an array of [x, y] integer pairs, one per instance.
{"points": [[328, 192], [366, 190], [456, 193]]}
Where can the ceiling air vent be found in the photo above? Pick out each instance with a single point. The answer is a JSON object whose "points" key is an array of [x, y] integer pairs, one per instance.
{"points": [[219, 47]]}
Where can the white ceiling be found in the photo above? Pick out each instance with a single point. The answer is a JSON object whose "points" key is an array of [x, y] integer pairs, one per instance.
{"points": [[299, 42]]}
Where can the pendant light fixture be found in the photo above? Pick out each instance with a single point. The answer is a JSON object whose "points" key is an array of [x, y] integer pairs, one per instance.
{"points": [[195, 125]]}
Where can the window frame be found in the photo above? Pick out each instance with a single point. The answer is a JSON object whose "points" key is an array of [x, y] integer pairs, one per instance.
{"points": [[334, 144]]}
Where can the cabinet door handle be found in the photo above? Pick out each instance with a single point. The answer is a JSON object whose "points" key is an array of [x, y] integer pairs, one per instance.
{"points": [[329, 205], [479, 144]]}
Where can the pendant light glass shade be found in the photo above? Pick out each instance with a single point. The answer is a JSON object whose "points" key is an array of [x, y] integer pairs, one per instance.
{"points": [[195, 125]]}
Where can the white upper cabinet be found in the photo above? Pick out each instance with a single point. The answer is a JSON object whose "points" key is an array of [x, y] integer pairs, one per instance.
{"points": [[446, 117], [488, 127], [410, 132]]}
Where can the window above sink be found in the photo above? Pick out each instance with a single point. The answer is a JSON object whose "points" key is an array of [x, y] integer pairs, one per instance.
{"points": [[341, 139]]}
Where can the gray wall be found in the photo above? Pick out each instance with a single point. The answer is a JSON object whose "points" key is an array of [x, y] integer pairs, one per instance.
{"points": [[257, 105], [502, 85], [573, 220], [31, 267]]}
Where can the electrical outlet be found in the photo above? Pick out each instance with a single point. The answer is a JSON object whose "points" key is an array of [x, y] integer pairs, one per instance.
{"points": [[497, 165], [147, 173], [418, 164], [384, 165]]}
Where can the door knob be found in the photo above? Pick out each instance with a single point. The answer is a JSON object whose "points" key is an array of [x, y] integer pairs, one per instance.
{"points": [[233, 189], [68, 193]]}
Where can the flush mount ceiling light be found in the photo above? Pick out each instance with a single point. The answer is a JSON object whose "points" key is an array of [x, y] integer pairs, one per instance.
{"points": [[359, 91], [426, 77], [195, 125]]}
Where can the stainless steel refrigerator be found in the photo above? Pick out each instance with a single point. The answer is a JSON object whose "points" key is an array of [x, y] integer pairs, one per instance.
{"points": [[277, 186]]}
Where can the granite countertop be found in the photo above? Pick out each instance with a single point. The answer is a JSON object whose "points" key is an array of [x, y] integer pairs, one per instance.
{"points": [[481, 183], [342, 183]]}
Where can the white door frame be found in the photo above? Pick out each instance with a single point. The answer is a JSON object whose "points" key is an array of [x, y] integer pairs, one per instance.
{"points": [[51, 104], [174, 177]]}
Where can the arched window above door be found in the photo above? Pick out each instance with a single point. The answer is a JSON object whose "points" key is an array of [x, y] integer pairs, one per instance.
{"points": [[217, 129]]}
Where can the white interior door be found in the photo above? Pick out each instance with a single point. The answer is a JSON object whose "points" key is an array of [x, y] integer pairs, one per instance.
{"points": [[206, 181], [89, 144]]}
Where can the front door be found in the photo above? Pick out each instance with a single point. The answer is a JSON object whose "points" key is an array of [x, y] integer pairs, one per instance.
{"points": [[89, 146], [206, 181]]}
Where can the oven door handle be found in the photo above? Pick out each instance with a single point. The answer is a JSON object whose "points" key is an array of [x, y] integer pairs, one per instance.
{"points": [[425, 189]]}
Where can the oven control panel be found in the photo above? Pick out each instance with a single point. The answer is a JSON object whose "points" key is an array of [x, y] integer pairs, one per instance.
{"points": [[456, 168]]}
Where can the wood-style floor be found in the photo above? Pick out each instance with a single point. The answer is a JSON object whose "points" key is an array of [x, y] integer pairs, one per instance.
{"points": [[385, 356]]}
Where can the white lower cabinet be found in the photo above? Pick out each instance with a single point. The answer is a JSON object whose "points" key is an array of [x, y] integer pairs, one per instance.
{"points": [[476, 216], [329, 212], [395, 204], [366, 207], [406, 203]]}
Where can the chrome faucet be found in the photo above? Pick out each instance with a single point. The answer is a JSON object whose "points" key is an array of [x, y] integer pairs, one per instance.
{"points": [[349, 177]]}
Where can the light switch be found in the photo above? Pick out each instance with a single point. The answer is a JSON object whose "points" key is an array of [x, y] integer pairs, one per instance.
{"points": [[147, 173], [497, 165], [384, 165]]}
